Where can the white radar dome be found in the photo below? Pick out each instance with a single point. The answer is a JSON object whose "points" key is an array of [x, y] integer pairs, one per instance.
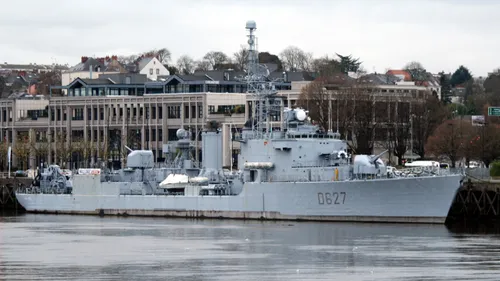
{"points": [[251, 25], [300, 114], [181, 133]]}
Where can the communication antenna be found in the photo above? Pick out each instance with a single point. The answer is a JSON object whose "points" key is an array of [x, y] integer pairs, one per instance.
{"points": [[267, 103], [253, 58]]}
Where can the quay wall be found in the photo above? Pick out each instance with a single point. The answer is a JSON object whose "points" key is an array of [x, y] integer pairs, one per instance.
{"points": [[476, 200], [7, 196]]}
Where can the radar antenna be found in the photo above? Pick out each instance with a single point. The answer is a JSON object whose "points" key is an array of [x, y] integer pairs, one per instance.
{"points": [[267, 103]]}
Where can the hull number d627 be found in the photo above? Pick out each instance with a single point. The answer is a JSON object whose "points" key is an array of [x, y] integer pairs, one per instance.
{"points": [[334, 198]]}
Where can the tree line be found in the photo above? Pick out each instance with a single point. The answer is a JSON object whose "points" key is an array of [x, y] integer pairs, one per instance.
{"points": [[413, 122], [77, 151], [291, 58]]}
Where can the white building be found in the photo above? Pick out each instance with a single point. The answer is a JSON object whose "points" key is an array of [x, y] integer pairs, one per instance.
{"points": [[153, 68]]}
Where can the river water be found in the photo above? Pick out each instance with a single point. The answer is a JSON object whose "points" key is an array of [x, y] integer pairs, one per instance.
{"points": [[51, 247]]}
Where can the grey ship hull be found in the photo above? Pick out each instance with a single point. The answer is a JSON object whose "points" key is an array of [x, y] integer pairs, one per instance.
{"points": [[414, 200]]}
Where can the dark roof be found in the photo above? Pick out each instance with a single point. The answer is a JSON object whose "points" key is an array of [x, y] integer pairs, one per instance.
{"points": [[218, 75], [379, 79], [121, 78], [85, 66], [292, 76], [13, 77], [97, 81], [197, 78], [143, 62], [231, 75]]}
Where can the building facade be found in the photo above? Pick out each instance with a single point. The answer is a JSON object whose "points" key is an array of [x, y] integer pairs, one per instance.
{"points": [[99, 117]]}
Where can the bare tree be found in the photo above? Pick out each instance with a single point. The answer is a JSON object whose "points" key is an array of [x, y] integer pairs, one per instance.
{"points": [[363, 123], [427, 115], [203, 65], [413, 65], [241, 57], [316, 99], [163, 55], [186, 65], [325, 66], [449, 140], [86, 148], [64, 150], [103, 152], [128, 59], [41, 148], [483, 143], [295, 59], [215, 58], [22, 150], [46, 80], [400, 132], [4, 148], [417, 71], [353, 107]]}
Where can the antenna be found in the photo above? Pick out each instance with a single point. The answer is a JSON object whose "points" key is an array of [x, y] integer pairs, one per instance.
{"points": [[267, 103]]}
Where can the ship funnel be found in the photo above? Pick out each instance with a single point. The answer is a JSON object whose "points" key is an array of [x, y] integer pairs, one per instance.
{"points": [[212, 150]]}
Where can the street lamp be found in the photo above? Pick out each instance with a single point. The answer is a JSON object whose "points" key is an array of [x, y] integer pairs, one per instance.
{"points": [[411, 135]]}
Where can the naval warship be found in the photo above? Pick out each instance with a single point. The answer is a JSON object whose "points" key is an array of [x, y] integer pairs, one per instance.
{"points": [[299, 172]]}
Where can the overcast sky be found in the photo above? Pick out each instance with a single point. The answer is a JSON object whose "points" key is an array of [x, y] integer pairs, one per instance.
{"points": [[384, 33]]}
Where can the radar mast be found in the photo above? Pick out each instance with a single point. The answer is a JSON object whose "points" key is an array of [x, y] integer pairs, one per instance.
{"points": [[267, 103]]}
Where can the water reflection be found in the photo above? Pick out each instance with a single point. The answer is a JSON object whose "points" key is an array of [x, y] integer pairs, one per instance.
{"points": [[92, 248], [475, 226]]}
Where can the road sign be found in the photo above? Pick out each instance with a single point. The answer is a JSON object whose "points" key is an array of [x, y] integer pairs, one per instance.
{"points": [[493, 111]]}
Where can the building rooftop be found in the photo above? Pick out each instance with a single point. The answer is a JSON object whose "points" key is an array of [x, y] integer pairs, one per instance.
{"points": [[379, 79], [125, 78], [403, 74], [107, 64], [143, 62]]}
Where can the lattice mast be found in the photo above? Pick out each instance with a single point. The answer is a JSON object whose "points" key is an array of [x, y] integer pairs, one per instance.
{"points": [[261, 87]]}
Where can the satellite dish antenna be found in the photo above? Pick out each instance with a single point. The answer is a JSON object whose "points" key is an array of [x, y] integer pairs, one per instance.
{"points": [[301, 115]]}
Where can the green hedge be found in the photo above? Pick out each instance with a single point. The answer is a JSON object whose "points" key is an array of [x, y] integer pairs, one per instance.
{"points": [[495, 169]]}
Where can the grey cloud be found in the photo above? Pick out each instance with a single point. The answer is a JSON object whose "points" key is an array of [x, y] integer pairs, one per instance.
{"points": [[384, 33]]}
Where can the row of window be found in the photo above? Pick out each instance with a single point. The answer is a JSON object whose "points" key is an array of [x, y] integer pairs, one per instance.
{"points": [[115, 136], [143, 89], [173, 112], [239, 108]]}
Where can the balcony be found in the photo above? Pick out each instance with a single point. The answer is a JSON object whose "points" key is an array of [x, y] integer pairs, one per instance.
{"points": [[29, 122]]}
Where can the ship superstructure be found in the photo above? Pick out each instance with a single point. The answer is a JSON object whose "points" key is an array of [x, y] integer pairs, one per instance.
{"points": [[296, 172]]}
